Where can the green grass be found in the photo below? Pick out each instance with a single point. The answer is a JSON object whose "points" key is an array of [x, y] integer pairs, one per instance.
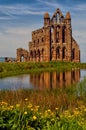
{"points": [[60, 109], [10, 69], [31, 118], [63, 98]]}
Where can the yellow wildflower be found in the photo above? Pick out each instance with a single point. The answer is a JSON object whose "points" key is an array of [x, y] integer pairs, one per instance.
{"points": [[37, 106], [48, 110], [76, 113], [56, 108], [36, 109], [17, 105], [25, 113], [30, 105], [11, 107], [34, 117], [26, 99], [85, 109], [4, 103], [31, 109]]}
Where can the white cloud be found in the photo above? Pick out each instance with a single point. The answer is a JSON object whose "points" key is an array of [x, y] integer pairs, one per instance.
{"points": [[13, 38], [81, 7], [5, 18], [17, 30], [12, 11], [52, 4]]}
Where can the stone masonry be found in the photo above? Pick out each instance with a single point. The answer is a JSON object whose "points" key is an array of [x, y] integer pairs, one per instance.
{"points": [[52, 42], [22, 55]]}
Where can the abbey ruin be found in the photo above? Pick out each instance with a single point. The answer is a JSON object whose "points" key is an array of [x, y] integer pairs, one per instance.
{"points": [[52, 42]]}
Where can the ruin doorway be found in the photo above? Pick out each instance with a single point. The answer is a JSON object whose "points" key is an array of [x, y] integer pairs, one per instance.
{"points": [[22, 58]]}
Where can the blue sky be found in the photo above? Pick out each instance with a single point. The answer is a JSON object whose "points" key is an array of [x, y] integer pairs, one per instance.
{"points": [[18, 18]]}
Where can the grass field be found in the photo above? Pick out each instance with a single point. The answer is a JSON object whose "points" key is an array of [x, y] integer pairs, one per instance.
{"points": [[10, 69]]}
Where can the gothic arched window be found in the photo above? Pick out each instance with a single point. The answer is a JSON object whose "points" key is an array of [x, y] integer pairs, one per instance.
{"points": [[63, 35], [58, 52], [73, 53], [63, 53]]}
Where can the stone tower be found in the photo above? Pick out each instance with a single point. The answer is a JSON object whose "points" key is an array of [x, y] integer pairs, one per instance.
{"points": [[54, 41], [68, 36]]}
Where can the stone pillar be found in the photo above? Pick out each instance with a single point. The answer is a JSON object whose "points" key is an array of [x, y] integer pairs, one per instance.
{"points": [[69, 39], [55, 34], [41, 57], [47, 44], [60, 40], [54, 54]]}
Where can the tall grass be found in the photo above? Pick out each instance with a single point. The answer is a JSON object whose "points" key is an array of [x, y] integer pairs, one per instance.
{"points": [[60, 109], [63, 98]]}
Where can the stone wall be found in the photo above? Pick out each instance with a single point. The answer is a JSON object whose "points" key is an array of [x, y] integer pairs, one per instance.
{"points": [[22, 55], [54, 41]]}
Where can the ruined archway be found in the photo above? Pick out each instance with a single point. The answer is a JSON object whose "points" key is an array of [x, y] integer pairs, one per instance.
{"points": [[22, 58], [22, 55]]}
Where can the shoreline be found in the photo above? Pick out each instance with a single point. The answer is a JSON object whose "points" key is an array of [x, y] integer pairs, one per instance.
{"points": [[12, 69]]}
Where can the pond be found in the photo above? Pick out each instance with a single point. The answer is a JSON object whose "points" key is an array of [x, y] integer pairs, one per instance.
{"points": [[44, 80]]}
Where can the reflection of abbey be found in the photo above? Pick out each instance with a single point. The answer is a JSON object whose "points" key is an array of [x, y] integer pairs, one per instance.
{"points": [[52, 42], [55, 79]]}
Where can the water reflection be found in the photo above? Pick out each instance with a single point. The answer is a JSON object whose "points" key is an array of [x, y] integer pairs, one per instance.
{"points": [[55, 79], [42, 81], [15, 82]]}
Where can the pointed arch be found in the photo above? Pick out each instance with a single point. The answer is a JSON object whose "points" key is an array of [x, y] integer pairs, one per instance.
{"points": [[57, 16], [38, 54], [63, 53], [58, 52], [52, 52], [73, 53], [22, 58], [42, 54], [52, 34], [34, 55], [57, 34], [31, 54], [63, 35], [62, 18]]}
